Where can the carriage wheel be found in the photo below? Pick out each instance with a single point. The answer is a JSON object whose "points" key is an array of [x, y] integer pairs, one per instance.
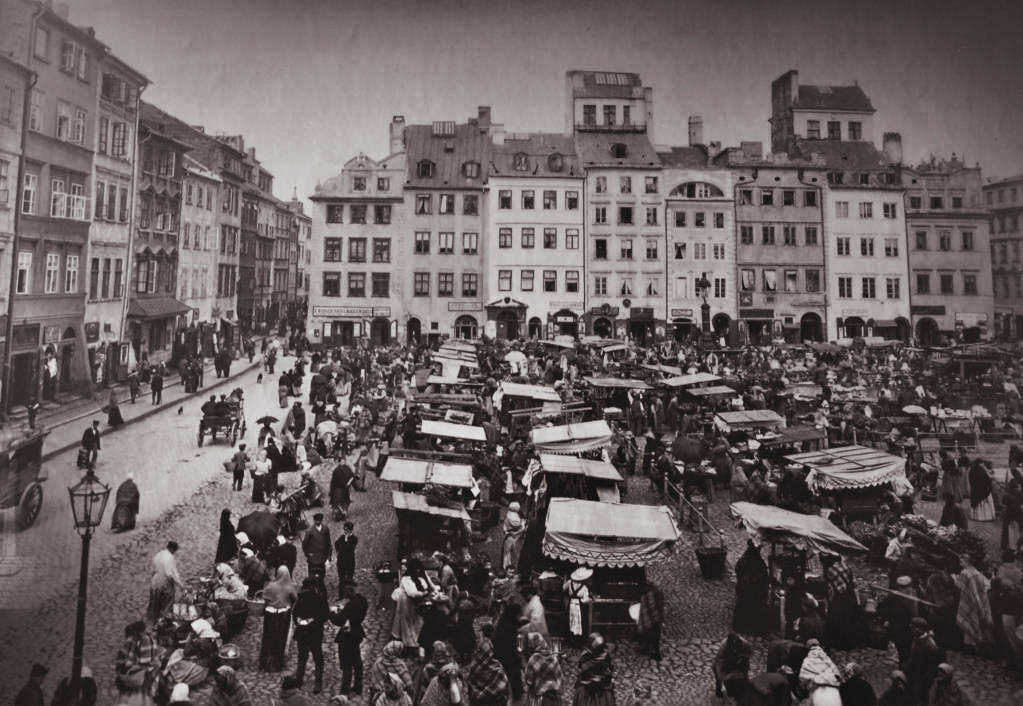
{"points": [[29, 506]]}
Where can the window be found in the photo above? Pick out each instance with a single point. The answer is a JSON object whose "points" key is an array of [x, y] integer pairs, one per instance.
{"points": [[969, 284], [892, 288], [957, 201], [471, 170], [626, 287], [600, 249], [550, 281], [923, 283], [600, 185], [94, 278], [967, 240], [381, 284], [185, 244], [813, 280], [841, 209], [937, 202], [358, 183], [770, 281], [766, 197], [35, 111], [746, 235], [382, 214], [600, 215], [946, 284], [119, 140], [610, 113], [590, 115], [381, 249], [767, 235], [356, 284], [356, 250], [921, 239], [866, 209], [944, 240], [422, 243], [680, 219], [520, 162], [425, 169], [446, 243], [834, 130], [71, 274], [572, 200], [810, 235], [111, 201], [719, 220], [915, 203], [625, 184], [720, 288], [810, 198], [528, 238], [680, 251], [504, 199], [470, 205], [24, 271], [867, 247], [358, 213], [788, 197], [63, 121], [421, 284], [788, 234], [651, 250], [571, 238], [550, 238], [118, 289], [855, 130], [699, 251], [600, 286], [166, 163], [747, 279], [78, 129], [572, 281], [891, 247], [101, 191], [42, 43], [746, 197], [470, 284], [845, 287], [528, 199], [384, 183], [626, 249], [52, 273], [526, 280], [504, 238], [550, 200], [446, 205], [719, 251], [890, 209], [813, 129], [844, 245], [446, 284], [681, 288], [651, 215], [504, 280], [700, 219], [424, 204], [791, 281], [869, 288]]}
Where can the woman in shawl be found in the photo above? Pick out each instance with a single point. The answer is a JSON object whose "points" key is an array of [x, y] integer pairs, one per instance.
{"points": [[982, 503], [389, 664], [487, 682], [819, 673], [227, 545], [594, 685], [280, 595], [227, 690], [856, 690], [542, 676], [731, 664], [229, 586], [439, 655], [945, 690], [752, 588], [974, 614], [394, 693], [514, 530], [446, 688], [415, 586], [126, 505], [506, 647], [650, 620], [113, 410]]}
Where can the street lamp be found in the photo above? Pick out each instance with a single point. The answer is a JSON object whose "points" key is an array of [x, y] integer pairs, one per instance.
{"points": [[703, 291], [88, 501]]}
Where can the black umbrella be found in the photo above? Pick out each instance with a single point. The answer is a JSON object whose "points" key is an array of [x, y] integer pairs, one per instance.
{"points": [[267, 420], [261, 527]]}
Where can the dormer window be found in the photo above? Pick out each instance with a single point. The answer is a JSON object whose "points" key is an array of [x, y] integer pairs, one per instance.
{"points": [[556, 162], [471, 170], [618, 150], [521, 162], [425, 169], [359, 183]]}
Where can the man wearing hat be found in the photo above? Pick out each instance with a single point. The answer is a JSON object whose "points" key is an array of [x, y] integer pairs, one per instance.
{"points": [[925, 655], [32, 693], [284, 553], [317, 547]]}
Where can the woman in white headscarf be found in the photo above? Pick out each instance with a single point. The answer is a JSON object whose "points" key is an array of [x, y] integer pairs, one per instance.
{"points": [[514, 534]]}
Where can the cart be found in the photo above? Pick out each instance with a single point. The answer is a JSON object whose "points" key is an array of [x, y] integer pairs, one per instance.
{"points": [[22, 476], [229, 426]]}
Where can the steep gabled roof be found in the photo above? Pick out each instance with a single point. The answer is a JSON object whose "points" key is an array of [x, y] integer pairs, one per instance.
{"points": [[605, 84], [838, 154], [538, 148], [594, 149], [684, 157], [833, 98], [449, 147]]}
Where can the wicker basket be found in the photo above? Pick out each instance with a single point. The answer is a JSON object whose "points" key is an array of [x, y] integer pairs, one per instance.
{"points": [[230, 655], [256, 605]]}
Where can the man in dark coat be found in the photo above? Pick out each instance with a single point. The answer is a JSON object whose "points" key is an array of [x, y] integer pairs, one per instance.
{"points": [[345, 548], [156, 384], [310, 614], [752, 588], [349, 638], [90, 442], [924, 657], [283, 554], [32, 693], [317, 547]]}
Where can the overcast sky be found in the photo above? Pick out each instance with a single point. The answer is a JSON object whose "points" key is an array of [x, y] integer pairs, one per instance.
{"points": [[311, 83]]}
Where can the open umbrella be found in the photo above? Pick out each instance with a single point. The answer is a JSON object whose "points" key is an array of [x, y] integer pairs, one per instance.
{"points": [[914, 409], [261, 528], [267, 420]]}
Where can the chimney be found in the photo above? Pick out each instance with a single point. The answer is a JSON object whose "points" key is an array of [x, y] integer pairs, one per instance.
{"points": [[483, 116], [892, 147], [695, 130], [397, 133]]}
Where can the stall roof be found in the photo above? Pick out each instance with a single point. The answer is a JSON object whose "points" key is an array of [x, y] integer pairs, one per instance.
{"points": [[805, 389], [571, 438], [412, 502], [623, 383], [599, 470], [847, 467], [442, 380], [458, 344], [711, 391], [694, 379], [608, 534], [670, 370], [433, 427], [810, 531], [560, 342], [535, 392], [444, 398], [467, 359], [410, 470], [795, 435], [750, 419]]}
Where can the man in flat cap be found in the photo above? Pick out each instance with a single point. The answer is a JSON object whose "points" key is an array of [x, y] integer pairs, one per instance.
{"points": [[317, 547], [32, 693]]}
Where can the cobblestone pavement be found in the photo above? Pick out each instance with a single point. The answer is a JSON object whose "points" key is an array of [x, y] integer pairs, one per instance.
{"points": [[185, 488]]}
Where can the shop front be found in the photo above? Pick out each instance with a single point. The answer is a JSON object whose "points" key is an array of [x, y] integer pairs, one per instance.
{"points": [[641, 325], [759, 325], [152, 323], [600, 320], [565, 323], [341, 325], [682, 325], [509, 317]]}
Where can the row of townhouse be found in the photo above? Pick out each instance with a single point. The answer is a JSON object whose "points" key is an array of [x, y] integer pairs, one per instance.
{"points": [[466, 229], [119, 227]]}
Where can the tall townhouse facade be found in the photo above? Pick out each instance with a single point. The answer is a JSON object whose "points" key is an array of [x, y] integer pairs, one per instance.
{"points": [[54, 199], [446, 186], [1004, 200], [115, 166], [197, 262], [301, 258], [609, 115], [532, 251], [699, 223], [360, 269], [283, 297], [155, 315], [950, 258]]}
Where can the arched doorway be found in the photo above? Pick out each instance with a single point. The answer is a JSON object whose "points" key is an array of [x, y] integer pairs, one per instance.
{"points": [[603, 327], [67, 354], [466, 327], [567, 323], [413, 330], [535, 328], [927, 332], [855, 327], [903, 330], [719, 325], [380, 332], [683, 329], [507, 325], [759, 331], [810, 328]]}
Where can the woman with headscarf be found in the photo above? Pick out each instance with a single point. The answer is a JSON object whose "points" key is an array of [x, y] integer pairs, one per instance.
{"points": [[594, 686], [227, 690], [445, 689], [414, 587], [113, 410], [514, 530], [389, 664], [945, 690], [487, 681], [752, 589], [542, 675], [439, 656], [506, 648], [731, 664], [856, 690], [126, 505], [982, 502], [897, 693], [229, 586], [227, 544], [394, 694], [819, 674], [280, 595], [974, 614]]}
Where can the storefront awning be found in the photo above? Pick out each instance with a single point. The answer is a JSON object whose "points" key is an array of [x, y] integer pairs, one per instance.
{"points": [[885, 323], [156, 308]]}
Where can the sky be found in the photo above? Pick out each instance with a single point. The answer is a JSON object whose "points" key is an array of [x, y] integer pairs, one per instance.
{"points": [[312, 83]]}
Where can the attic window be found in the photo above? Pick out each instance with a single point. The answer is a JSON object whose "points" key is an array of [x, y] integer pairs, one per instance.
{"points": [[618, 150], [425, 168], [449, 145], [444, 128], [521, 162], [471, 170], [556, 162]]}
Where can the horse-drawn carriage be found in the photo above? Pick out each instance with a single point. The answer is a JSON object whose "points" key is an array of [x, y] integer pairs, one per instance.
{"points": [[226, 418], [21, 477]]}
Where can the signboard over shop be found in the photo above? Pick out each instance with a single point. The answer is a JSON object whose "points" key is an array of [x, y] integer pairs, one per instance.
{"points": [[340, 311]]}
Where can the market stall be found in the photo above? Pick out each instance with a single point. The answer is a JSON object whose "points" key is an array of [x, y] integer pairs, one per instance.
{"points": [[854, 477], [610, 395], [514, 402], [571, 438], [749, 420], [411, 473], [582, 478], [426, 527]]}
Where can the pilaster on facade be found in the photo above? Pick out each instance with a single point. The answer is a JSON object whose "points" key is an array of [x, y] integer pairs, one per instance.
{"points": [[1003, 198]]}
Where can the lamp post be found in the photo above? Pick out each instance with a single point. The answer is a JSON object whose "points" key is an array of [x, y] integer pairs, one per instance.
{"points": [[88, 501], [703, 291]]}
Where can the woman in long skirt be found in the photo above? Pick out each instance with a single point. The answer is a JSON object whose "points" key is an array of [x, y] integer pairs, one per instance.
{"points": [[280, 595], [982, 502], [595, 684], [113, 411]]}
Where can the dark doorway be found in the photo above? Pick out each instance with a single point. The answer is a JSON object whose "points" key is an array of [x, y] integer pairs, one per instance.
{"points": [[603, 327], [23, 380], [535, 328], [855, 327], [380, 332], [508, 325], [641, 331], [683, 330], [810, 327], [413, 330]]}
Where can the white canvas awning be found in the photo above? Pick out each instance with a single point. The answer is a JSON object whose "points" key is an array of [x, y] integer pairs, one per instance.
{"points": [[412, 502], [848, 467], [623, 383], [694, 379], [609, 534], [421, 472], [571, 438], [573, 465], [432, 427], [748, 420], [813, 532], [535, 392]]}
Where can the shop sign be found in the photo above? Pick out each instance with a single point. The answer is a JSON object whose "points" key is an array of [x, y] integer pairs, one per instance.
{"points": [[565, 319], [382, 311], [465, 306], [927, 310], [642, 312], [681, 313], [92, 331], [756, 313], [51, 334], [26, 336], [969, 320], [342, 311]]}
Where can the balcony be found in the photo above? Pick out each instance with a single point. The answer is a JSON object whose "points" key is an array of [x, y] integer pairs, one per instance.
{"points": [[70, 206]]}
